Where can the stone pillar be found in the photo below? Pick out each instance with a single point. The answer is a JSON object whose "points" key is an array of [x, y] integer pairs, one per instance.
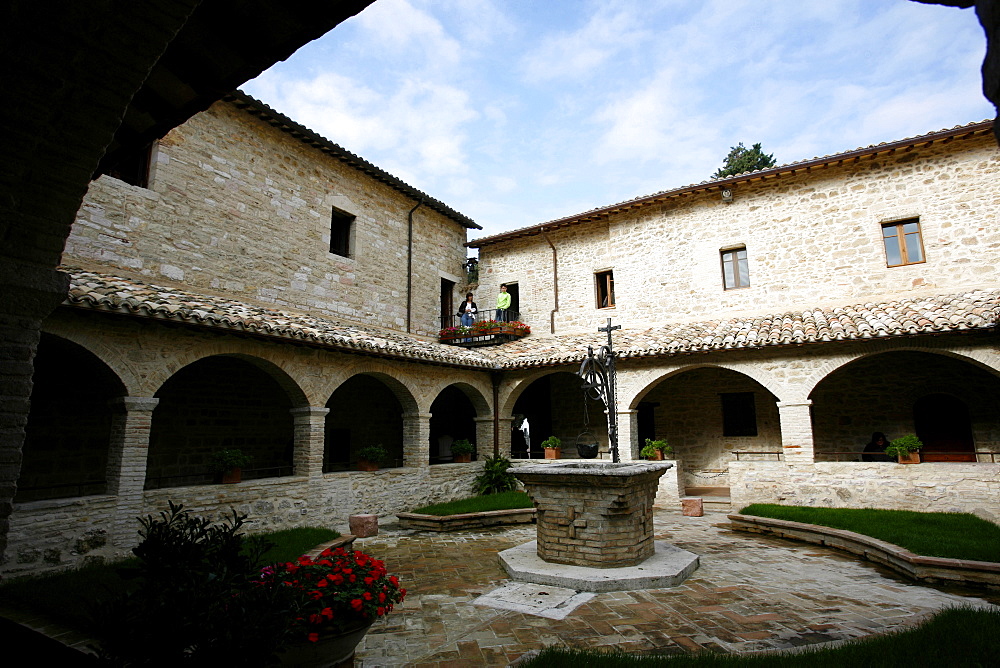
{"points": [[127, 457], [796, 432], [309, 440], [484, 438], [28, 293], [416, 439], [628, 436], [504, 434]]}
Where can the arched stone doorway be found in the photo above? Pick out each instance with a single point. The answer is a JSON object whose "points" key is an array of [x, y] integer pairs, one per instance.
{"points": [[555, 405], [220, 402], [363, 411], [885, 392], [69, 424], [453, 417], [712, 416]]}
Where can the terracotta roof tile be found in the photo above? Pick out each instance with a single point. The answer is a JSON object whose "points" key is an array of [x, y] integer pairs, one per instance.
{"points": [[900, 316]]}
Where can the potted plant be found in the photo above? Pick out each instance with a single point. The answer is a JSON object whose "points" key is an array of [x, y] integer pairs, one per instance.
{"points": [[552, 447], [370, 457], [228, 464], [462, 450], [452, 333], [338, 595], [657, 450], [905, 449]]}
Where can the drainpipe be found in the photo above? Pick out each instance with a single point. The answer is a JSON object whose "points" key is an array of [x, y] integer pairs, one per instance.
{"points": [[495, 377], [409, 264], [555, 284]]}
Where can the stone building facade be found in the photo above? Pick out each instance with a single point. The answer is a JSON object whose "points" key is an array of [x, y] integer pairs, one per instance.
{"points": [[265, 289]]}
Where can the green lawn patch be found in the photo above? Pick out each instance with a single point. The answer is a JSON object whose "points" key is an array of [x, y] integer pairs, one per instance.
{"points": [[952, 535], [69, 597], [954, 637], [478, 504]]}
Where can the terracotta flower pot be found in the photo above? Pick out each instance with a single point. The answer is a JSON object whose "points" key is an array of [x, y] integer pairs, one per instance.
{"points": [[232, 476], [552, 453], [910, 458], [462, 459], [365, 465]]}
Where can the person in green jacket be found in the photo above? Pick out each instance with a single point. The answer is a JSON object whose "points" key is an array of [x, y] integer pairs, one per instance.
{"points": [[503, 303]]}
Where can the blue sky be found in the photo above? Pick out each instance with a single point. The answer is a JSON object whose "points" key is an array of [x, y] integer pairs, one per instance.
{"points": [[516, 112]]}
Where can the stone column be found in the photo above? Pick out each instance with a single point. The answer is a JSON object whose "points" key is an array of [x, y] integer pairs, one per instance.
{"points": [[796, 432], [127, 457], [628, 435], [416, 439], [504, 435], [309, 440], [484, 438]]}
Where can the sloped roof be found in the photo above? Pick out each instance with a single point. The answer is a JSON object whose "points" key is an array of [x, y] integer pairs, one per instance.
{"points": [[901, 316], [886, 148], [255, 107]]}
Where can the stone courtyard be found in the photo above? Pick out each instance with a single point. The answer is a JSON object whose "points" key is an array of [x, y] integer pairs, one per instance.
{"points": [[750, 594]]}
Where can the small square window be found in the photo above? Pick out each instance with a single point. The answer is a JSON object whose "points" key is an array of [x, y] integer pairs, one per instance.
{"points": [[739, 414], [735, 270], [605, 289], [341, 226], [903, 244]]}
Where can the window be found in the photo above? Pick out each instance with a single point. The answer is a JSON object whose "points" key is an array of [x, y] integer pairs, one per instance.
{"points": [[605, 289], [341, 225], [735, 271], [902, 242], [131, 167], [739, 414]]}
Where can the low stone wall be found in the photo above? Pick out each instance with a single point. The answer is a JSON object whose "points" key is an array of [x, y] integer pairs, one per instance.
{"points": [[932, 487], [47, 535], [486, 518]]}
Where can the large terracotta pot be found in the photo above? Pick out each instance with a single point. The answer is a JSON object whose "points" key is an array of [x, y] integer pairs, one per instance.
{"points": [[910, 458], [462, 459], [330, 651], [232, 476], [365, 465], [552, 453]]}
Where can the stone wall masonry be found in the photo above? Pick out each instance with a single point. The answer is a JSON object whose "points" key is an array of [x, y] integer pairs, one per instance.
{"points": [[47, 535], [811, 238], [238, 207], [936, 487]]}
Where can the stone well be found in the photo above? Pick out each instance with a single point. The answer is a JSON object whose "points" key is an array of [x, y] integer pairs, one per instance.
{"points": [[595, 514]]}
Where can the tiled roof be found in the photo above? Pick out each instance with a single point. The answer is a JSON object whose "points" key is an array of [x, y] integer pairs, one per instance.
{"points": [[908, 315], [103, 292], [902, 316], [958, 132]]}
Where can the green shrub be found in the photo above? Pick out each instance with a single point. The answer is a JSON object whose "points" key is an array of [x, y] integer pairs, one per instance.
{"points": [[650, 449], [224, 461], [496, 477], [904, 445], [552, 442], [462, 447], [375, 454], [478, 504]]}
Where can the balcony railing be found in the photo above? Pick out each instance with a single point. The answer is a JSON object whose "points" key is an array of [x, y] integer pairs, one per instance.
{"points": [[488, 328]]}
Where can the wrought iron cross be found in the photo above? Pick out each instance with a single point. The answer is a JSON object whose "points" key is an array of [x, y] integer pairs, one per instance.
{"points": [[598, 374]]}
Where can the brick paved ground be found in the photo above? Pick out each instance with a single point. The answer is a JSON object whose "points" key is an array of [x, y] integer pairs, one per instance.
{"points": [[750, 593]]}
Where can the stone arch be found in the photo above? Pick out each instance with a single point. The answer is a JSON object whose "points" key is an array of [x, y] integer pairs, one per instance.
{"points": [[641, 382], [105, 350], [401, 385], [453, 417], [368, 408], [222, 402], [242, 350], [878, 392], [69, 423]]}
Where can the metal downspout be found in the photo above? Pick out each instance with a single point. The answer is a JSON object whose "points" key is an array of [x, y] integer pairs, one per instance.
{"points": [[555, 283], [409, 264]]}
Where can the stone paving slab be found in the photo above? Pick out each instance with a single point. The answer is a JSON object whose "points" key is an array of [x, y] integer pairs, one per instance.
{"points": [[750, 593]]}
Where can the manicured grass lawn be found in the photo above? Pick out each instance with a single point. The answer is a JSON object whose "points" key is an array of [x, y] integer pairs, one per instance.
{"points": [[69, 597], [955, 637], [478, 504], [954, 535]]}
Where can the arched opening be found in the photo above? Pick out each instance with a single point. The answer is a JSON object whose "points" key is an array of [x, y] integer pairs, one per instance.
{"points": [[452, 419], [955, 403], [555, 405], [942, 422], [218, 403], [69, 425], [363, 411], [712, 416]]}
